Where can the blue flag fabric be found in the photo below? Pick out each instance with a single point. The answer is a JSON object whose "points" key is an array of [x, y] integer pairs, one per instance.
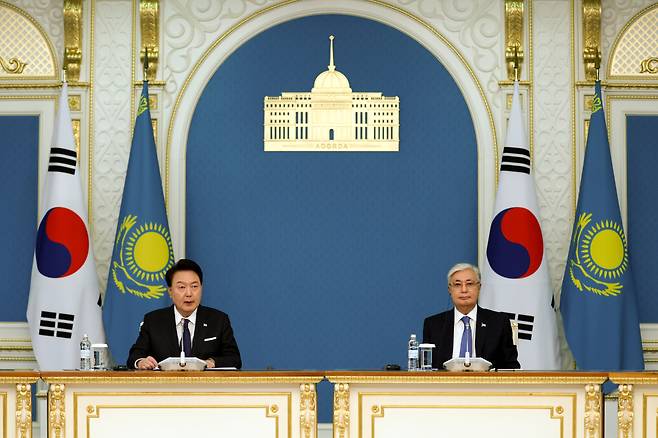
{"points": [[142, 248], [598, 300]]}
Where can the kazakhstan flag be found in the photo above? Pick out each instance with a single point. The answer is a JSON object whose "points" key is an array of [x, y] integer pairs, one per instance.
{"points": [[142, 248], [598, 301]]}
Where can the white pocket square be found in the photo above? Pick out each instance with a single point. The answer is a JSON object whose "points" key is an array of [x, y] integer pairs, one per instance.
{"points": [[210, 339]]}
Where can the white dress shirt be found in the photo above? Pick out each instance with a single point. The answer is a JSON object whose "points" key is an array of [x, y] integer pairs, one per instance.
{"points": [[459, 331], [179, 326]]}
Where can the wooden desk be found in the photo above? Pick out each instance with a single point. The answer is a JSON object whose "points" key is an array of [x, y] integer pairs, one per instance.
{"points": [[495, 404], [16, 402], [637, 404], [173, 404]]}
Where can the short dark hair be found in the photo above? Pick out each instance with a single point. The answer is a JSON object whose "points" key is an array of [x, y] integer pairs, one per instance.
{"points": [[183, 265]]}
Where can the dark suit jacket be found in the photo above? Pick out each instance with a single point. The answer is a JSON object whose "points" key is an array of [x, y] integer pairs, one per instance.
{"points": [[213, 338], [493, 338]]}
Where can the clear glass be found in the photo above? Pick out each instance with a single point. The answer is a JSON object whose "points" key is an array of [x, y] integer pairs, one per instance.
{"points": [[425, 358]]}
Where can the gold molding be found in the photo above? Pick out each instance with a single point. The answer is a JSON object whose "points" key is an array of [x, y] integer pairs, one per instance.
{"points": [[513, 36], [461, 57], [484, 378], [592, 410], [149, 14], [625, 411], [24, 410], [307, 409], [13, 65], [140, 378], [591, 37], [341, 410], [72, 39], [56, 412], [649, 65]]}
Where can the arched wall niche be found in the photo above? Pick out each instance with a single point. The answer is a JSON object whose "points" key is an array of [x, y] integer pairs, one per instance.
{"points": [[230, 40], [27, 53]]}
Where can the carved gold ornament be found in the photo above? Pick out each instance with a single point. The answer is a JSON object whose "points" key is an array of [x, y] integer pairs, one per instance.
{"points": [[341, 410], [56, 413], [513, 36], [592, 410], [307, 409], [649, 65], [72, 39], [591, 37], [24, 410], [625, 411], [13, 66], [149, 14]]}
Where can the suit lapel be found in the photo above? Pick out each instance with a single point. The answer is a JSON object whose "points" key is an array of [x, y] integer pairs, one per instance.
{"points": [[171, 331], [199, 331], [481, 332], [449, 333]]}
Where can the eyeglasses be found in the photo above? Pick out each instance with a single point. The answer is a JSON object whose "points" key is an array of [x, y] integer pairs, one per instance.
{"points": [[469, 285]]}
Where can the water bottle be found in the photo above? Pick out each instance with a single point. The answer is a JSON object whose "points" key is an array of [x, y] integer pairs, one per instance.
{"points": [[85, 353], [412, 363]]}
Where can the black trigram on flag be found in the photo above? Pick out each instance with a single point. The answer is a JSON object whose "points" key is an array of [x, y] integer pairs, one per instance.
{"points": [[59, 325], [62, 160], [515, 160], [525, 324]]}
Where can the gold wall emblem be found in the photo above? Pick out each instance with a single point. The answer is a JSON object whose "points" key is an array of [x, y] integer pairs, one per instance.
{"points": [[331, 118]]}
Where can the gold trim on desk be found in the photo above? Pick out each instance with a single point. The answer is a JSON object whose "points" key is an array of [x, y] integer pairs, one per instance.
{"points": [[56, 410], [23, 410], [442, 377], [558, 409], [625, 410], [341, 410], [181, 377], [308, 410], [592, 410], [93, 411]]}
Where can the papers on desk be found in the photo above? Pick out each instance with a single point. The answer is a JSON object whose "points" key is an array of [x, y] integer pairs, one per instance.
{"points": [[186, 364], [222, 369]]}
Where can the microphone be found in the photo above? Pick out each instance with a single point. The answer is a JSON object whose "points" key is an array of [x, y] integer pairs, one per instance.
{"points": [[467, 359], [182, 358]]}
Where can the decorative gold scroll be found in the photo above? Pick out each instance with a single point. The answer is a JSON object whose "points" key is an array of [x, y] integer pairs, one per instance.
{"points": [[24, 410], [13, 65], [341, 410], [307, 409], [72, 39], [56, 413], [591, 37], [513, 36], [149, 14], [592, 410], [649, 65], [625, 411]]}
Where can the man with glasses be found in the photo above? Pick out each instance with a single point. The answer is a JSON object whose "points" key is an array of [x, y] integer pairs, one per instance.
{"points": [[469, 328], [197, 330]]}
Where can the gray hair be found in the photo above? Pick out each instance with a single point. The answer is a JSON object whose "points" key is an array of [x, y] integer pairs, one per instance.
{"points": [[461, 267]]}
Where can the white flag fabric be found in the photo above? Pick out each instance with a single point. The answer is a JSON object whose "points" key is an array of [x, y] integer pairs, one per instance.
{"points": [[515, 278], [64, 301]]}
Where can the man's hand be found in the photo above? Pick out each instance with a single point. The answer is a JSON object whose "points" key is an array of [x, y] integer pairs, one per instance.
{"points": [[210, 363], [147, 363]]}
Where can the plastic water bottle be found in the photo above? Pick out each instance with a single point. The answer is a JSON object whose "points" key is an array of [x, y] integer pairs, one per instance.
{"points": [[412, 363], [85, 353]]}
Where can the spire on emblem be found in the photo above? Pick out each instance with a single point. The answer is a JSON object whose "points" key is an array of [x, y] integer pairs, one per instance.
{"points": [[331, 65]]}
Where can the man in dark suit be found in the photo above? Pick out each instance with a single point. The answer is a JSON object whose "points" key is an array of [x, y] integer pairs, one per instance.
{"points": [[468, 327], [200, 331]]}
